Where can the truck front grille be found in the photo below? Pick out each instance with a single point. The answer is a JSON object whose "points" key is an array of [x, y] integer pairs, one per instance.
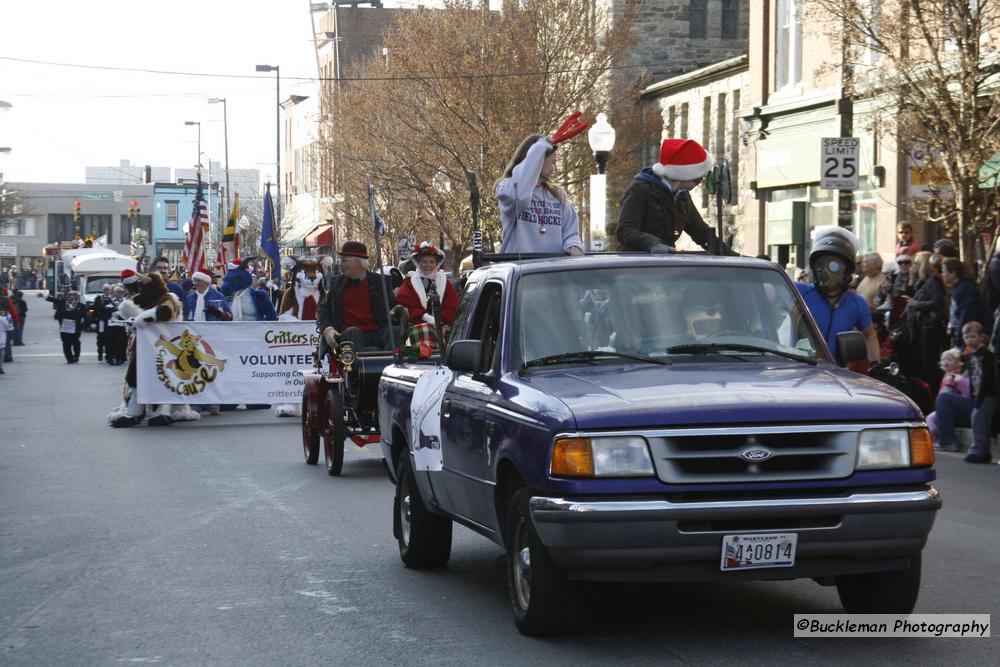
{"points": [[700, 456]]}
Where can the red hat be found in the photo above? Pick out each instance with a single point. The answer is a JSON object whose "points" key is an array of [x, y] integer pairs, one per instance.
{"points": [[682, 160], [354, 249], [426, 248], [129, 276]]}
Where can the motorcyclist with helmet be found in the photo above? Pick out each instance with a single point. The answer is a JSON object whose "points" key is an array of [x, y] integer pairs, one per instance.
{"points": [[833, 305]]}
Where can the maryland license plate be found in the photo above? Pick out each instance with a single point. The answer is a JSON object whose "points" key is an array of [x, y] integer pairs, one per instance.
{"points": [[745, 552]]}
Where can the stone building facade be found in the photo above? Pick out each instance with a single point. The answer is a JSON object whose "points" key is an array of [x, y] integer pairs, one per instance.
{"points": [[701, 105]]}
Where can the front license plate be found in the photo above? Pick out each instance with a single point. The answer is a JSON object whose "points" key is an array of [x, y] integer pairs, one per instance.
{"points": [[745, 552]]}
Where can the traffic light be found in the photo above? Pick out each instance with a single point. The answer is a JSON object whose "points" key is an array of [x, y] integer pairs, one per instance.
{"points": [[76, 211], [133, 211]]}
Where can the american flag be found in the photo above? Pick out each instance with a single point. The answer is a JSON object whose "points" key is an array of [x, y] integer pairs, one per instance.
{"points": [[194, 239]]}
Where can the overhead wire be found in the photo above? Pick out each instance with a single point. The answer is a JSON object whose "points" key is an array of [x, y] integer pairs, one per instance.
{"points": [[414, 77]]}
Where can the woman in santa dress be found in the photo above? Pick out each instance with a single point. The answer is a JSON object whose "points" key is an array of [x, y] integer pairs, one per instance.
{"points": [[427, 277]]}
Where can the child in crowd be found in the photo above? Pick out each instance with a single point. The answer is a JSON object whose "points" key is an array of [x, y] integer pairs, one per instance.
{"points": [[954, 410], [953, 382]]}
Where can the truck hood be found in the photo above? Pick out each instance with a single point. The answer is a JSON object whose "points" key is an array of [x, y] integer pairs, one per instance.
{"points": [[697, 393]]}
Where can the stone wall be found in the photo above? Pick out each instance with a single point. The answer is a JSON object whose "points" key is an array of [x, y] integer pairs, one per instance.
{"points": [[664, 46]]}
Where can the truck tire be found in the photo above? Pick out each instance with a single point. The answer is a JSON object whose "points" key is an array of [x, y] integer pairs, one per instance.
{"points": [[543, 599], [336, 433], [881, 592], [424, 537], [310, 438]]}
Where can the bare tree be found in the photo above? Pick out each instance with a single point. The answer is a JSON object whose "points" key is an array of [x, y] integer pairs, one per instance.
{"points": [[462, 87], [930, 69]]}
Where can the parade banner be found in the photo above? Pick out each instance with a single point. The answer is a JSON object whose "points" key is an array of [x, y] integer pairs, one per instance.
{"points": [[216, 363]]}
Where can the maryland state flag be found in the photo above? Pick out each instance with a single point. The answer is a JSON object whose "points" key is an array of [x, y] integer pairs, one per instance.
{"points": [[229, 249]]}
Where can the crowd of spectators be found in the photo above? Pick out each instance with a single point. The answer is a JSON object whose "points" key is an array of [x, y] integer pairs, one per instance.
{"points": [[937, 324]]}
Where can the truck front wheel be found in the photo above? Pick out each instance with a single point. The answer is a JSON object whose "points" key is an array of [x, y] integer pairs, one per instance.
{"points": [[424, 537], [881, 592], [543, 599]]}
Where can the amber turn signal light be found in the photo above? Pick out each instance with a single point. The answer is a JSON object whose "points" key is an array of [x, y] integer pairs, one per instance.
{"points": [[571, 457], [921, 448]]}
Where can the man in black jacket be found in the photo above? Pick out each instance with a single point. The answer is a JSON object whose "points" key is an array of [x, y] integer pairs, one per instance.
{"points": [[103, 308], [656, 208], [354, 308]]}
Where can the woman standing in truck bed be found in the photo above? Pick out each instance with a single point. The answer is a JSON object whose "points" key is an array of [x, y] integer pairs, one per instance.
{"points": [[535, 214]]}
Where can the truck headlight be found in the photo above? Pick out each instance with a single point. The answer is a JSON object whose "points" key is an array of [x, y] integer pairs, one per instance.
{"points": [[883, 448], [601, 457]]}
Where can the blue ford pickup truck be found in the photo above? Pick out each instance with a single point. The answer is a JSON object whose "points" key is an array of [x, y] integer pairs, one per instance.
{"points": [[656, 418]]}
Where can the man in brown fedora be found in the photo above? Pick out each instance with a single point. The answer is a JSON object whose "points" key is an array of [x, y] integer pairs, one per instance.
{"points": [[354, 309]]}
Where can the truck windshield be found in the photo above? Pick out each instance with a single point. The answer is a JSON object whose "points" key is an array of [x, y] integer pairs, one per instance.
{"points": [[673, 312], [95, 284]]}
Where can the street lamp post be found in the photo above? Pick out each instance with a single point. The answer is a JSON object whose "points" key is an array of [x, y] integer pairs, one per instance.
{"points": [[4, 105], [601, 137], [225, 134], [277, 133], [197, 164]]}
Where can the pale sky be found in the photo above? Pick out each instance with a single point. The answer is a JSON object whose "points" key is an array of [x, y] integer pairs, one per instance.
{"points": [[65, 118]]}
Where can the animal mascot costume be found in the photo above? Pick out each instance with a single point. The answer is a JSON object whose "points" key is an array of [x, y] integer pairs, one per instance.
{"points": [[413, 294], [301, 299], [301, 302], [151, 302], [247, 303]]}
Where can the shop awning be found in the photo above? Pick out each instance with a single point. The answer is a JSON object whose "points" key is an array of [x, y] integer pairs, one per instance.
{"points": [[321, 236], [294, 230]]}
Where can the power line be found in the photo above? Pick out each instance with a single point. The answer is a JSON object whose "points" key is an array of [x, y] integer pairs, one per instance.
{"points": [[496, 75]]}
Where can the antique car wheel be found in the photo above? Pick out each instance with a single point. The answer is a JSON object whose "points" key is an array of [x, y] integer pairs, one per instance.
{"points": [[881, 592], [424, 537], [543, 599], [310, 438], [336, 433]]}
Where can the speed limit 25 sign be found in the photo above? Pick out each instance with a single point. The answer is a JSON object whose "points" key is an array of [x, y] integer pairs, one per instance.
{"points": [[839, 166]]}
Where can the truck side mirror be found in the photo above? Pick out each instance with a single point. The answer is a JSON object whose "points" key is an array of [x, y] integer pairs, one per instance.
{"points": [[465, 356], [851, 346]]}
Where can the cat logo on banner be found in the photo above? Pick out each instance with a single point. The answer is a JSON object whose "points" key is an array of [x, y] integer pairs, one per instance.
{"points": [[187, 364]]}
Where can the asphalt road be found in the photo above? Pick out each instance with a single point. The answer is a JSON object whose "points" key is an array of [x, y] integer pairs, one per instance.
{"points": [[213, 543]]}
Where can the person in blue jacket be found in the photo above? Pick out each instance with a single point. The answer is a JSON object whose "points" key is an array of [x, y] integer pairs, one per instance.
{"points": [[833, 305], [967, 303], [205, 303]]}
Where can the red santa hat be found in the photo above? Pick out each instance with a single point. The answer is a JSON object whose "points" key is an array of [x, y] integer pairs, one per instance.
{"points": [[426, 248], [129, 277], [682, 160]]}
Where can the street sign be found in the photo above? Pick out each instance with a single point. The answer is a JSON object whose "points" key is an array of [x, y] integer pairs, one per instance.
{"points": [[118, 195], [99, 196], [839, 163], [8, 250]]}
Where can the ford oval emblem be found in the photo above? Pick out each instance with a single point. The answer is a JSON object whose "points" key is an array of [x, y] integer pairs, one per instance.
{"points": [[756, 455]]}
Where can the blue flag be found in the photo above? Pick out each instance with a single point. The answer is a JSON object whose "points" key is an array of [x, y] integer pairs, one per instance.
{"points": [[268, 242]]}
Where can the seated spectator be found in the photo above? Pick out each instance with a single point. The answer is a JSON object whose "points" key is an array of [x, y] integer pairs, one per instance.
{"points": [[953, 382], [954, 410]]}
